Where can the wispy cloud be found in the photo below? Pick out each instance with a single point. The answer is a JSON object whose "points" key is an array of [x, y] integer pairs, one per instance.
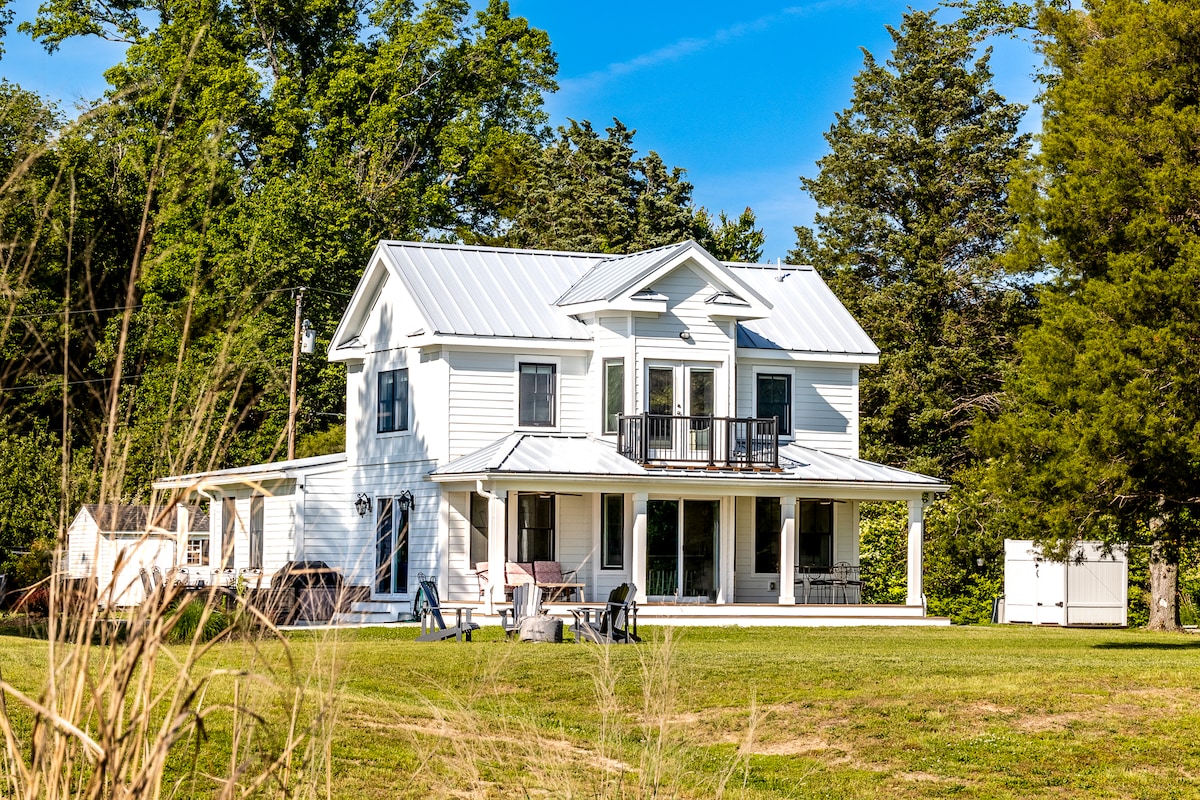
{"points": [[685, 47]]}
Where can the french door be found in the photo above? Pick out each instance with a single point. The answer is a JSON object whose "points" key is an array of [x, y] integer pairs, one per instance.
{"points": [[391, 548], [670, 389], [681, 549]]}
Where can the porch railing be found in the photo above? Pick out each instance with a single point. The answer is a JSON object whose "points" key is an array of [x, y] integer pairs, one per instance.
{"points": [[733, 442]]}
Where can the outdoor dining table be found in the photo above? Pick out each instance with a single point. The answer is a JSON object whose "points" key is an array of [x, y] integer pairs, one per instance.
{"points": [[838, 579], [556, 592]]}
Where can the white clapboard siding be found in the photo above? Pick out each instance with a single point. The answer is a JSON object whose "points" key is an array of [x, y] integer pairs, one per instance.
{"points": [[749, 586], [484, 392], [83, 546], [824, 402], [686, 292]]}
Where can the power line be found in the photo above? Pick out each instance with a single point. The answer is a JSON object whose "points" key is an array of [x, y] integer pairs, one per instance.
{"points": [[44, 314]]}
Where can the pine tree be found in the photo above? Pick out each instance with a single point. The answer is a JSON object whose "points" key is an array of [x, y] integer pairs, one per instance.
{"points": [[1101, 433], [912, 214]]}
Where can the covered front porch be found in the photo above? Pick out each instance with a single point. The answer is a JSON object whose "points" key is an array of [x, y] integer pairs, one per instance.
{"points": [[700, 546]]}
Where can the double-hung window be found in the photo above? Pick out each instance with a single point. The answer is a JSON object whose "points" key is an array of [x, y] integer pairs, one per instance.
{"points": [[393, 401], [815, 523], [768, 521], [536, 395], [535, 527], [614, 392], [774, 399], [612, 531]]}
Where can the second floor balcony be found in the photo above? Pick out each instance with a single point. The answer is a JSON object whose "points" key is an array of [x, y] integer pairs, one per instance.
{"points": [[716, 442]]}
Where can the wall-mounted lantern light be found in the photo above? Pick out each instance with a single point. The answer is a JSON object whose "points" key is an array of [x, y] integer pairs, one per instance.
{"points": [[362, 505], [405, 501], [685, 335]]}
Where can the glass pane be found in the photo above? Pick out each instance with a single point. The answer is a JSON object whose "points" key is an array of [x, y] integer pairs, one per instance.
{"points": [[768, 522], [537, 394], [256, 532], [700, 524], [701, 389], [383, 547], [400, 403], [614, 393], [228, 528], [661, 398], [612, 548], [815, 523], [400, 554], [775, 399], [386, 386], [479, 529], [535, 527], [662, 547]]}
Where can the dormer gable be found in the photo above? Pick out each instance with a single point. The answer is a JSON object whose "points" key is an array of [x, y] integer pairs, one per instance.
{"points": [[627, 283]]}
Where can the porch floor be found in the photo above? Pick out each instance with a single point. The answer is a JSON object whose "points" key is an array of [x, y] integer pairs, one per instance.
{"points": [[742, 614]]}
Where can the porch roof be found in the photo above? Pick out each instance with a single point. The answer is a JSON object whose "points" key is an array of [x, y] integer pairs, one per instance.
{"points": [[580, 455]]}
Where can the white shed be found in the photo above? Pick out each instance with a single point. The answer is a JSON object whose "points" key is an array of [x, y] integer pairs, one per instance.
{"points": [[1089, 588]]}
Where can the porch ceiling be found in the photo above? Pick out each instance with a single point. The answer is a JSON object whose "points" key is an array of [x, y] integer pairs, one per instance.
{"points": [[584, 457]]}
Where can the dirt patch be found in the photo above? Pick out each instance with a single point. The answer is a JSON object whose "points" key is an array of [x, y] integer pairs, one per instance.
{"points": [[793, 747]]}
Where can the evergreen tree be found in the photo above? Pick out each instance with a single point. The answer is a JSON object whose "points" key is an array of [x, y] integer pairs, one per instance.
{"points": [[592, 193], [1100, 437], [912, 214]]}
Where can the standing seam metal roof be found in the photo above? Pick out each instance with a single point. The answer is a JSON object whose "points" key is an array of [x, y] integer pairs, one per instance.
{"points": [[498, 292], [578, 454]]}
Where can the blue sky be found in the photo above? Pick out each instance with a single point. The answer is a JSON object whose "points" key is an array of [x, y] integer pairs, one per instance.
{"points": [[738, 94]]}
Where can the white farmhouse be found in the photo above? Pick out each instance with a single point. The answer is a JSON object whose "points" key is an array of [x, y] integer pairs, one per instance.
{"points": [[662, 418]]}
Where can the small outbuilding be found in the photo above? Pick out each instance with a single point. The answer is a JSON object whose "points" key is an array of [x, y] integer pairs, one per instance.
{"points": [[1090, 588]]}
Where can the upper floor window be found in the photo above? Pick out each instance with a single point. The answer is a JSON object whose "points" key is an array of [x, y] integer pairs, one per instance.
{"points": [[614, 392], [393, 401], [536, 395], [774, 399]]}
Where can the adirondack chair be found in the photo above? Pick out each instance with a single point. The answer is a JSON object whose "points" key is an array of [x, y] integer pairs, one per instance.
{"points": [[615, 623], [527, 602], [433, 625]]}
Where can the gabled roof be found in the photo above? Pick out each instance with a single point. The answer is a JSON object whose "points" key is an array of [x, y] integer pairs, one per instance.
{"points": [[501, 293], [806, 313], [122, 518], [619, 277]]}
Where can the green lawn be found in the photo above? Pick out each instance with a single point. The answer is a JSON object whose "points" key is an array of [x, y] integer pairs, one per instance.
{"points": [[756, 713]]}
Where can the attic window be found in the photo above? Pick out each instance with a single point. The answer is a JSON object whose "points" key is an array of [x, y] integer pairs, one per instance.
{"points": [[726, 299]]}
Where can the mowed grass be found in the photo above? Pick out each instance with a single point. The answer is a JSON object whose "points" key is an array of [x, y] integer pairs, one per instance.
{"points": [[1003, 712]]}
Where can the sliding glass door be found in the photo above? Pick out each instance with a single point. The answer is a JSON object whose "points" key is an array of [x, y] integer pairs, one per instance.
{"points": [[681, 549]]}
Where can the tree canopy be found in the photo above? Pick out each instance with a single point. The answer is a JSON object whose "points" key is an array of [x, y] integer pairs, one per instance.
{"points": [[912, 216], [1100, 436]]}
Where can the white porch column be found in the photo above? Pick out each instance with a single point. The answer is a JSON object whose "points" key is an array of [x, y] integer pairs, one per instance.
{"points": [[638, 556], [183, 524], [787, 551], [916, 535], [497, 549], [725, 551]]}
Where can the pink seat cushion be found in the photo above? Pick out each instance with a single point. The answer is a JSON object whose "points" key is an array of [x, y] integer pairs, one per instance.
{"points": [[518, 572], [547, 571]]}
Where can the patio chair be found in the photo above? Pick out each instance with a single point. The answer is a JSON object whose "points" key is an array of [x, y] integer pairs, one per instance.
{"points": [[517, 572], [481, 575], [846, 578], [551, 576], [821, 585], [527, 602], [433, 625], [615, 623]]}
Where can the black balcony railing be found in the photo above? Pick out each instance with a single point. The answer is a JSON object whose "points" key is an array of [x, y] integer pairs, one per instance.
{"points": [[708, 441]]}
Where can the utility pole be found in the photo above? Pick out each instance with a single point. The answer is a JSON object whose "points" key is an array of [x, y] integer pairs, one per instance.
{"points": [[293, 406]]}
